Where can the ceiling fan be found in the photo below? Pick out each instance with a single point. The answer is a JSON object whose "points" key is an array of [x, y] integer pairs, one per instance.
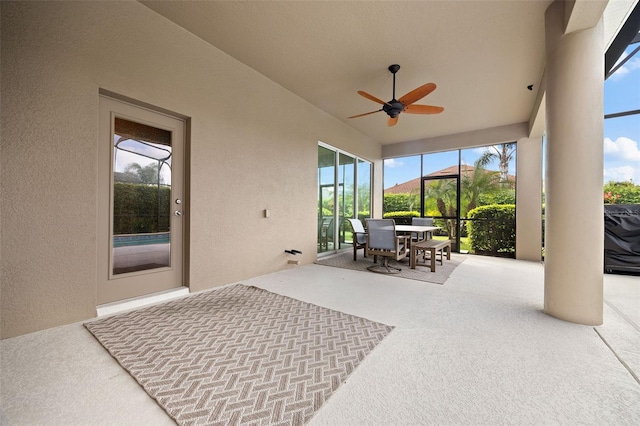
{"points": [[394, 107]]}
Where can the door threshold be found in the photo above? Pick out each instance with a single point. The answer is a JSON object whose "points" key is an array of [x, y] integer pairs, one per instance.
{"points": [[138, 302]]}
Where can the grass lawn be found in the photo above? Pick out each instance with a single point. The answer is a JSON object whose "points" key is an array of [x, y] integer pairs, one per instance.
{"points": [[464, 242]]}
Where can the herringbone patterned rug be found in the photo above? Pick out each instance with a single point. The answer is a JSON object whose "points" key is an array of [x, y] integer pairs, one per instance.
{"points": [[239, 355]]}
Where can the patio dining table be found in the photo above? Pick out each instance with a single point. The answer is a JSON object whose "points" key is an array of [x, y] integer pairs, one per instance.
{"points": [[416, 229]]}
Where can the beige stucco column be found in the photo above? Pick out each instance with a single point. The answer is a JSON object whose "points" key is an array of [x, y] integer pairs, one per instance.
{"points": [[574, 160], [529, 199]]}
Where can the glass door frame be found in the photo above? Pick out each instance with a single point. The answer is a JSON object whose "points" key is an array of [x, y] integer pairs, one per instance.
{"points": [[456, 218]]}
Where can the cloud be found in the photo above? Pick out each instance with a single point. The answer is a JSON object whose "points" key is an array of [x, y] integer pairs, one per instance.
{"points": [[622, 148], [393, 162], [627, 68], [124, 158], [622, 174], [480, 150]]}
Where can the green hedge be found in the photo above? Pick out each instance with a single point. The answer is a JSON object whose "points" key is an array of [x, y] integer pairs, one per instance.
{"points": [[505, 196], [363, 215], [492, 229], [401, 217], [136, 208], [400, 202]]}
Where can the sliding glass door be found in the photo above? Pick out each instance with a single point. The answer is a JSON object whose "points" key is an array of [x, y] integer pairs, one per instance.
{"points": [[344, 192]]}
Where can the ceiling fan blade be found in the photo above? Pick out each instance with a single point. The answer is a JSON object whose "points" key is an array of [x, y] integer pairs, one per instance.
{"points": [[371, 97], [423, 109], [417, 94], [392, 121], [366, 113]]}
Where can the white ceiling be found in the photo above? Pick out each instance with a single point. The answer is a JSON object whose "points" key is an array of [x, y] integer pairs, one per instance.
{"points": [[481, 54]]}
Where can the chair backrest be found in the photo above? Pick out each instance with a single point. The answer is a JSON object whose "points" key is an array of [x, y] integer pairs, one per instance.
{"points": [[357, 225], [324, 225], [358, 230], [327, 224], [382, 234], [422, 221]]}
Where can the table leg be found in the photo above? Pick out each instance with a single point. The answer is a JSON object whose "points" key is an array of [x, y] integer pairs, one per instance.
{"points": [[412, 257], [433, 259]]}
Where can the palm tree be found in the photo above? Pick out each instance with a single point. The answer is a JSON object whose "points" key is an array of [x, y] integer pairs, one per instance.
{"points": [[503, 153], [479, 181], [444, 192]]}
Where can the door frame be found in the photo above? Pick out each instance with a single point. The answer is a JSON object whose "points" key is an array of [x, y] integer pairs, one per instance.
{"points": [[456, 243], [110, 287]]}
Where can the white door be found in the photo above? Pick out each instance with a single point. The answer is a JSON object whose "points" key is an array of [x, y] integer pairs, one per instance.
{"points": [[140, 201]]}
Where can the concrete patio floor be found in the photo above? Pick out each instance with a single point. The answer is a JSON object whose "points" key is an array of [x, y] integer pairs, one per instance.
{"points": [[476, 350]]}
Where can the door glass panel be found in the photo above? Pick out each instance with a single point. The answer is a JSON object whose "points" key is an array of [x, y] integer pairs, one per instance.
{"points": [[364, 190], [346, 183], [141, 197], [326, 198]]}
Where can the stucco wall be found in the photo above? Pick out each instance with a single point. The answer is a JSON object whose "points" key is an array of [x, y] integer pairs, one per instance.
{"points": [[253, 146]]}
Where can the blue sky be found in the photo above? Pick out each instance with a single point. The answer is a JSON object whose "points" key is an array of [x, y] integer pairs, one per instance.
{"points": [[399, 170], [622, 135], [621, 145]]}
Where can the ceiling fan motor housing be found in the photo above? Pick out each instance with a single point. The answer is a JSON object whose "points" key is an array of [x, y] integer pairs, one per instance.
{"points": [[393, 108]]}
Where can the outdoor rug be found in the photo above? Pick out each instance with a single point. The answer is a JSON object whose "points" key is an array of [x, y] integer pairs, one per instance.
{"points": [[421, 273], [239, 354]]}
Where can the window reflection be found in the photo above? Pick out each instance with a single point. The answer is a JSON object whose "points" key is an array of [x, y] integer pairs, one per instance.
{"points": [[141, 197]]}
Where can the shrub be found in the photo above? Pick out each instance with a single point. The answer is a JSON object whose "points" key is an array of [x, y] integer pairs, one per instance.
{"points": [[401, 217], [505, 196], [140, 208], [492, 229], [400, 202], [364, 215], [621, 193]]}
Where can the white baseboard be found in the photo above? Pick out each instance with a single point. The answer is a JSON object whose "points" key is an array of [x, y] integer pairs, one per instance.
{"points": [[138, 302]]}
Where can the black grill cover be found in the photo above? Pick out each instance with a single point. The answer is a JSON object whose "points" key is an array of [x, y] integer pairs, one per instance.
{"points": [[622, 238]]}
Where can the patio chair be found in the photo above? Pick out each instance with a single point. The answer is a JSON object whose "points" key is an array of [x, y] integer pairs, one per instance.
{"points": [[383, 241], [324, 225], [422, 221], [359, 237]]}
